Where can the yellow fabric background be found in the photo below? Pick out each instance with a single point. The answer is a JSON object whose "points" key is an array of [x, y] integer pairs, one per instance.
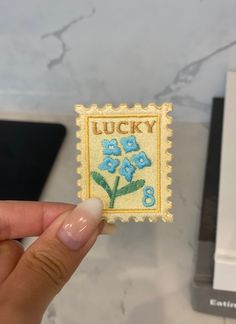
{"points": [[148, 142]]}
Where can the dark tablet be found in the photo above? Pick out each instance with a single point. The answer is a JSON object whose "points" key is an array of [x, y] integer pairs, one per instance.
{"points": [[27, 153]]}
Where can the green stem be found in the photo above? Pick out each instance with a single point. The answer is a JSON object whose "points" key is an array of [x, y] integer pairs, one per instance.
{"points": [[114, 190]]}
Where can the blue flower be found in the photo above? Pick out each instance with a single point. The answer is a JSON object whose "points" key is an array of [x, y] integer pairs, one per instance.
{"points": [[129, 144], [109, 164], [141, 160], [111, 147], [127, 169]]}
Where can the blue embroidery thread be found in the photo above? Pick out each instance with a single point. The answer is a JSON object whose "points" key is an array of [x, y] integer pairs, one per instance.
{"points": [[109, 164], [129, 144], [141, 160], [127, 169], [148, 196], [111, 147]]}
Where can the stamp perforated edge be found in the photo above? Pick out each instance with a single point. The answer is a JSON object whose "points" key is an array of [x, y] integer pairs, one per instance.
{"points": [[166, 156]]}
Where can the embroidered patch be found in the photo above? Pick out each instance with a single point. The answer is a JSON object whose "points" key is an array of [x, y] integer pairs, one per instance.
{"points": [[124, 160]]}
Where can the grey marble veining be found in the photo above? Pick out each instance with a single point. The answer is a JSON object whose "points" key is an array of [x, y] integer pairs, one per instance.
{"points": [[54, 54], [187, 73], [58, 35]]}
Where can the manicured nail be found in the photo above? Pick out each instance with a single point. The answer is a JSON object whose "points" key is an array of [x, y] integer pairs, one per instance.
{"points": [[81, 223]]}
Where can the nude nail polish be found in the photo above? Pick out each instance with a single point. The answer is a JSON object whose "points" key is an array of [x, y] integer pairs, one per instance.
{"points": [[78, 227]]}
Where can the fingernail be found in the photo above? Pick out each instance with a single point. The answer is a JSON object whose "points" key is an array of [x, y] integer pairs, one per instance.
{"points": [[81, 223]]}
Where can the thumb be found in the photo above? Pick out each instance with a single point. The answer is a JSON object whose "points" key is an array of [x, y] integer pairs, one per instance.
{"points": [[49, 262]]}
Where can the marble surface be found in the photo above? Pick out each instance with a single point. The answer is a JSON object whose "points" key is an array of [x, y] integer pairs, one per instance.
{"points": [[143, 272], [56, 53]]}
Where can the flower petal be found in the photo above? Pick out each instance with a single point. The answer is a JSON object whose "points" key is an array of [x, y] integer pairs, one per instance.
{"points": [[129, 143], [111, 147], [141, 160], [127, 169], [109, 164]]}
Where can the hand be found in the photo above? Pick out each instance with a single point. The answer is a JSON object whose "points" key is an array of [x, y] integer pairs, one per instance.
{"points": [[29, 280]]}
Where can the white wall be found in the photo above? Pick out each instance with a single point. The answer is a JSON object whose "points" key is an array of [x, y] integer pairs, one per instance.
{"points": [[55, 53]]}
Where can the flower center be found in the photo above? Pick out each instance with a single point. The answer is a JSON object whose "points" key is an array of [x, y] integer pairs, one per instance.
{"points": [[141, 160], [111, 147]]}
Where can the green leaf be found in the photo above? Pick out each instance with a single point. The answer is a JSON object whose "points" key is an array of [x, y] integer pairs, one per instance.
{"points": [[100, 180], [131, 187]]}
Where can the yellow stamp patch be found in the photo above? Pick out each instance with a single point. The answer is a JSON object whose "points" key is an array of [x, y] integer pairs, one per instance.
{"points": [[124, 160]]}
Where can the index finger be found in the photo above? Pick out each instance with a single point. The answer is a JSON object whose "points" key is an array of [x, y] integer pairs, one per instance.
{"points": [[28, 218]]}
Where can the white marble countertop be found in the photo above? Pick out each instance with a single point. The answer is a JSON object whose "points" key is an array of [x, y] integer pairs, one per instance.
{"points": [[143, 272]]}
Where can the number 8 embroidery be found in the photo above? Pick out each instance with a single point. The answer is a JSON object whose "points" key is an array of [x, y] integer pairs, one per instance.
{"points": [[148, 198]]}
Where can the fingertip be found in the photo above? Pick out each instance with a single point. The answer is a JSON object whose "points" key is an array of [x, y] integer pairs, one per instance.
{"points": [[93, 206]]}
